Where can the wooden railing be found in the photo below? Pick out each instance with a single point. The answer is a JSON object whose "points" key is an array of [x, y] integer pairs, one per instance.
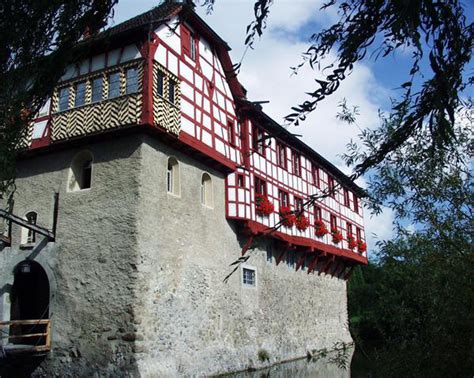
{"points": [[42, 344]]}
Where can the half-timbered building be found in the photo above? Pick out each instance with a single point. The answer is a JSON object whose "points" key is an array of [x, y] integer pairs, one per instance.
{"points": [[147, 173]]}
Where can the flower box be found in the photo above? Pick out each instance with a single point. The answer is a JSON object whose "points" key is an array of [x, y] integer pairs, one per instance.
{"points": [[336, 236], [351, 242], [287, 217], [263, 206], [302, 223], [320, 228], [361, 246]]}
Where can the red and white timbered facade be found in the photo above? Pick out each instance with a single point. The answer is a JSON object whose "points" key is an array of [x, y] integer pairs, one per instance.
{"points": [[176, 81]]}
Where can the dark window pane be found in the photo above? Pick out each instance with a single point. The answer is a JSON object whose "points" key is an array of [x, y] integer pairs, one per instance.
{"points": [[159, 83], [171, 92], [97, 89], [132, 81], [63, 99], [80, 98], [114, 85]]}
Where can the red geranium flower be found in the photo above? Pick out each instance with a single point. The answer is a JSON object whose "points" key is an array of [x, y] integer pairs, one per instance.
{"points": [[263, 205], [287, 217], [336, 236], [320, 228], [361, 246], [302, 223], [352, 242]]}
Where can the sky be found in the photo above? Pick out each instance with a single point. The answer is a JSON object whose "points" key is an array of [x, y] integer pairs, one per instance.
{"points": [[266, 75]]}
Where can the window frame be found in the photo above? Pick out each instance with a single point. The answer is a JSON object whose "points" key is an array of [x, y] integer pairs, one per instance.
{"points": [[331, 186], [82, 92], [347, 201], [260, 183], [101, 97], [111, 95], [283, 198], [258, 139], [207, 195], [171, 92], [296, 163], [318, 213], [61, 98], [253, 270], [333, 222], [136, 80], [316, 176], [231, 132], [282, 160]]}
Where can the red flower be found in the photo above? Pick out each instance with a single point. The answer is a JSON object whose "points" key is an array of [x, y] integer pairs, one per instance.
{"points": [[302, 223], [361, 246], [287, 217], [320, 228], [336, 236], [263, 205], [352, 242]]}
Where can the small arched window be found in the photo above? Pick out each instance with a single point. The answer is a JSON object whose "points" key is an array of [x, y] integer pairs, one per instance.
{"points": [[80, 176], [206, 190], [172, 176], [29, 236]]}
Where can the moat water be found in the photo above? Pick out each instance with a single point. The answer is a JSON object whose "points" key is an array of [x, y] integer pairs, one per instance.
{"points": [[322, 367]]}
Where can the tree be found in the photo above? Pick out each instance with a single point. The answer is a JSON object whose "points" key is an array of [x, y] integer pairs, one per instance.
{"points": [[439, 35], [36, 44], [412, 309]]}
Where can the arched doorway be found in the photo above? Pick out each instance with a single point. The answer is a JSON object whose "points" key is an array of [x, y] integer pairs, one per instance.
{"points": [[29, 301]]}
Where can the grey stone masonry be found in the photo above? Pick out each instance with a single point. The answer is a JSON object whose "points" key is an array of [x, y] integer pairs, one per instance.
{"points": [[136, 273]]}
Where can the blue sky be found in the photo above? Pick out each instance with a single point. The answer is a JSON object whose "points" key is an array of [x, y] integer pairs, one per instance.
{"points": [[266, 75]]}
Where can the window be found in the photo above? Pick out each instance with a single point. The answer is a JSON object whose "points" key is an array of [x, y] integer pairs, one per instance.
{"points": [[160, 80], [333, 222], [257, 140], [114, 85], [331, 187], [316, 178], [298, 204], [241, 181], [80, 176], [29, 236], [206, 190], [260, 186], [349, 229], [63, 99], [132, 81], [356, 203], [171, 91], [358, 233], [346, 198], [97, 85], [318, 213], [283, 198], [80, 98], [296, 163], [188, 42], [281, 154], [231, 129], [172, 176], [248, 277], [192, 41]]}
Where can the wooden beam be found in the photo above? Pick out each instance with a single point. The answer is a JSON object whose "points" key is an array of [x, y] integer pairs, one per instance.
{"points": [[330, 259], [300, 262], [313, 264], [22, 222], [247, 245], [278, 260], [349, 272]]}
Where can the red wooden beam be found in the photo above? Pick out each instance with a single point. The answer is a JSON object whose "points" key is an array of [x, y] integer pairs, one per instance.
{"points": [[330, 259], [341, 269], [247, 245], [300, 262], [313, 264]]}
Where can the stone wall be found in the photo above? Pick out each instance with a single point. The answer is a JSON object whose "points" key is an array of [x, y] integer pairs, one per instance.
{"points": [[192, 322], [91, 266], [137, 273]]}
